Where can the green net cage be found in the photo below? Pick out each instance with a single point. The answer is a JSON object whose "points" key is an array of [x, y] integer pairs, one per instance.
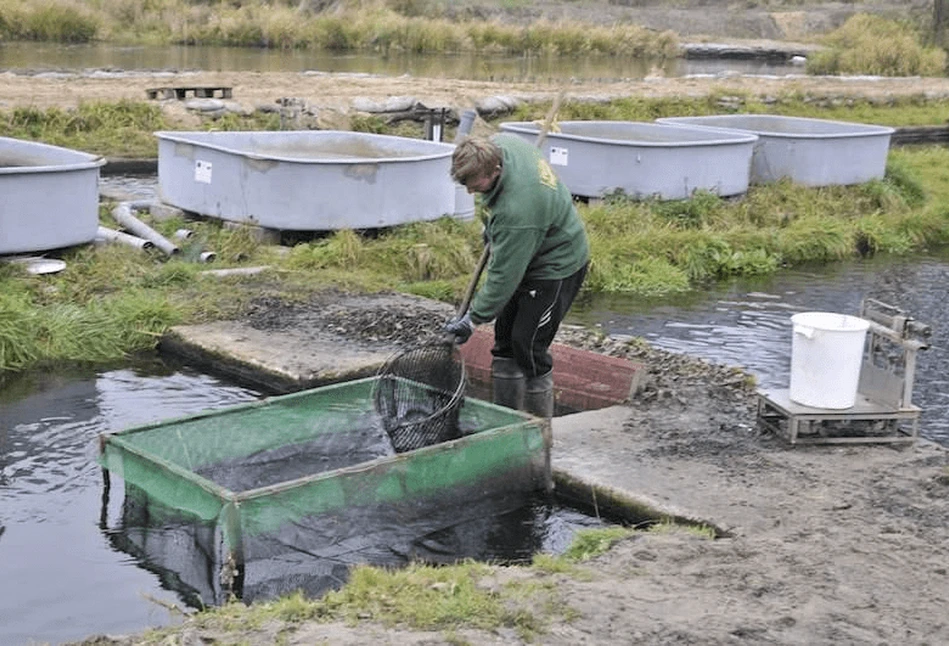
{"points": [[256, 494]]}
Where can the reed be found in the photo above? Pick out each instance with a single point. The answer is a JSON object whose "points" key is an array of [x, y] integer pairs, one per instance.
{"points": [[63, 22], [868, 44], [406, 25]]}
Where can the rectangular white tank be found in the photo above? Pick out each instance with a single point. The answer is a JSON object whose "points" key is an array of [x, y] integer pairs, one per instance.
{"points": [[306, 180], [811, 152], [643, 160]]}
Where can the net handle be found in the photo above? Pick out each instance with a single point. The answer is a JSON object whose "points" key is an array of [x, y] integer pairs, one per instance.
{"points": [[475, 277]]}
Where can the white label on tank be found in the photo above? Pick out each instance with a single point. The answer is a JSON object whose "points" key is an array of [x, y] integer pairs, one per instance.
{"points": [[558, 156], [202, 171]]}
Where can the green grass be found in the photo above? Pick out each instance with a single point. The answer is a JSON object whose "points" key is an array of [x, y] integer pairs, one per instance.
{"points": [[113, 301], [419, 597], [913, 110], [445, 599], [115, 129], [125, 128]]}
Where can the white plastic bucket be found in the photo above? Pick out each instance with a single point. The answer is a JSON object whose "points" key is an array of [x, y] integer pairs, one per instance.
{"points": [[826, 353]]}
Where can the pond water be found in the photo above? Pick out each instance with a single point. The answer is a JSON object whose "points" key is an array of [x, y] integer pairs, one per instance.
{"points": [[74, 559], [23, 56], [60, 575]]}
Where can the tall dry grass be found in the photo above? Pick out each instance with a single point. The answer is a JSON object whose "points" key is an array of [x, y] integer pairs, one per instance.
{"points": [[341, 26], [867, 44]]}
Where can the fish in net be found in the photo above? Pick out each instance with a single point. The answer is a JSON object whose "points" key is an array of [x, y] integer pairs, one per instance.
{"points": [[418, 395]]}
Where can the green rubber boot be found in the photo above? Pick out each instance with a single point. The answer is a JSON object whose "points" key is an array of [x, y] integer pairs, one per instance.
{"points": [[507, 383], [539, 396]]}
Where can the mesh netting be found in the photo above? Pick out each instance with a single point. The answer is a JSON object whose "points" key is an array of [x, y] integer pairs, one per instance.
{"points": [[418, 394]]}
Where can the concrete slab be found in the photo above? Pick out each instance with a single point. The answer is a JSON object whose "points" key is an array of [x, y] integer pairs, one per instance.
{"points": [[277, 362], [594, 464], [588, 448]]}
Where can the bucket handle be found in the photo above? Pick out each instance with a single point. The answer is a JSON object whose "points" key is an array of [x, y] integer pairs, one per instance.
{"points": [[805, 331]]}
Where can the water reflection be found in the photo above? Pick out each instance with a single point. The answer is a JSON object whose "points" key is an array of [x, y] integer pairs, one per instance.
{"points": [[747, 322], [53, 57], [314, 553]]}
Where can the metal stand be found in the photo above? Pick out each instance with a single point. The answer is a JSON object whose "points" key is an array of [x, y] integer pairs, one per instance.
{"points": [[883, 410], [865, 422], [435, 123]]}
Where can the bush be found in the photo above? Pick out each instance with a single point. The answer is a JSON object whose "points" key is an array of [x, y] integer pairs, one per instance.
{"points": [[868, 44], [61, 23]]}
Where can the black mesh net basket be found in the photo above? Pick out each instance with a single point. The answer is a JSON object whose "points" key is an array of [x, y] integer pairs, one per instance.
{"points": [[418, 395]]}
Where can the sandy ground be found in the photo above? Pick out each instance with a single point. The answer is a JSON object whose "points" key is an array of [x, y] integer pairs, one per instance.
{"points": [[332, 96], [820, 545]]}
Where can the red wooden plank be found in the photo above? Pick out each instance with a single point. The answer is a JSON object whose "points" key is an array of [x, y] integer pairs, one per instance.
{"points": [[583, 380]]}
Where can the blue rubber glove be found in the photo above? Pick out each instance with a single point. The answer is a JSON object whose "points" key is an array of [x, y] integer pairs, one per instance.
{"points": [[461, 328]]}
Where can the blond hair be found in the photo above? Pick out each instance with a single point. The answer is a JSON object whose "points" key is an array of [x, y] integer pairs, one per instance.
{"points": [[474, 158]]}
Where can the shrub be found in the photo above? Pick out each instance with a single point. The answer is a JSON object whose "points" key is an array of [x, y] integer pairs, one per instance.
{"points": [[868, 44], [59, 22]]}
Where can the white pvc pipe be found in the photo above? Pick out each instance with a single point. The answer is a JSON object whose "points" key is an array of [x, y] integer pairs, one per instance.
{"points": [[235, 271], [123, 215], [111, 235]]}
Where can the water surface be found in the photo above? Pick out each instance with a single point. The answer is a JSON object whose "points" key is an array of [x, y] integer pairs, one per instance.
{"points": [[49, 57], [78, 557], [62, 580]]}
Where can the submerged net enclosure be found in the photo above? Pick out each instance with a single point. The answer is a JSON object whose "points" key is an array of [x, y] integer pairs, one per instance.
{"points": [[265, 498]]}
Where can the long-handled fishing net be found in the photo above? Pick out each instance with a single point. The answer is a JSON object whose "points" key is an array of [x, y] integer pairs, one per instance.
{"points": [[419, 391]]}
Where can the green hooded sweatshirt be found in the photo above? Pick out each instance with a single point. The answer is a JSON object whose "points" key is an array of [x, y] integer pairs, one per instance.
{"points": [[533, 227]]}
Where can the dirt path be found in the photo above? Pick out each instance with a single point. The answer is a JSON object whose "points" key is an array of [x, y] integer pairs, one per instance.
{"points": [[339, 92]]}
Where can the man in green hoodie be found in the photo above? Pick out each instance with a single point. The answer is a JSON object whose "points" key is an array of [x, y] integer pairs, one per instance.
{"points": [[539, 258]]}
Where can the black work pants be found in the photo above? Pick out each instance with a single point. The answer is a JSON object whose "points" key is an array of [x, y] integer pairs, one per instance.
{"points": [[527, 325]]}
